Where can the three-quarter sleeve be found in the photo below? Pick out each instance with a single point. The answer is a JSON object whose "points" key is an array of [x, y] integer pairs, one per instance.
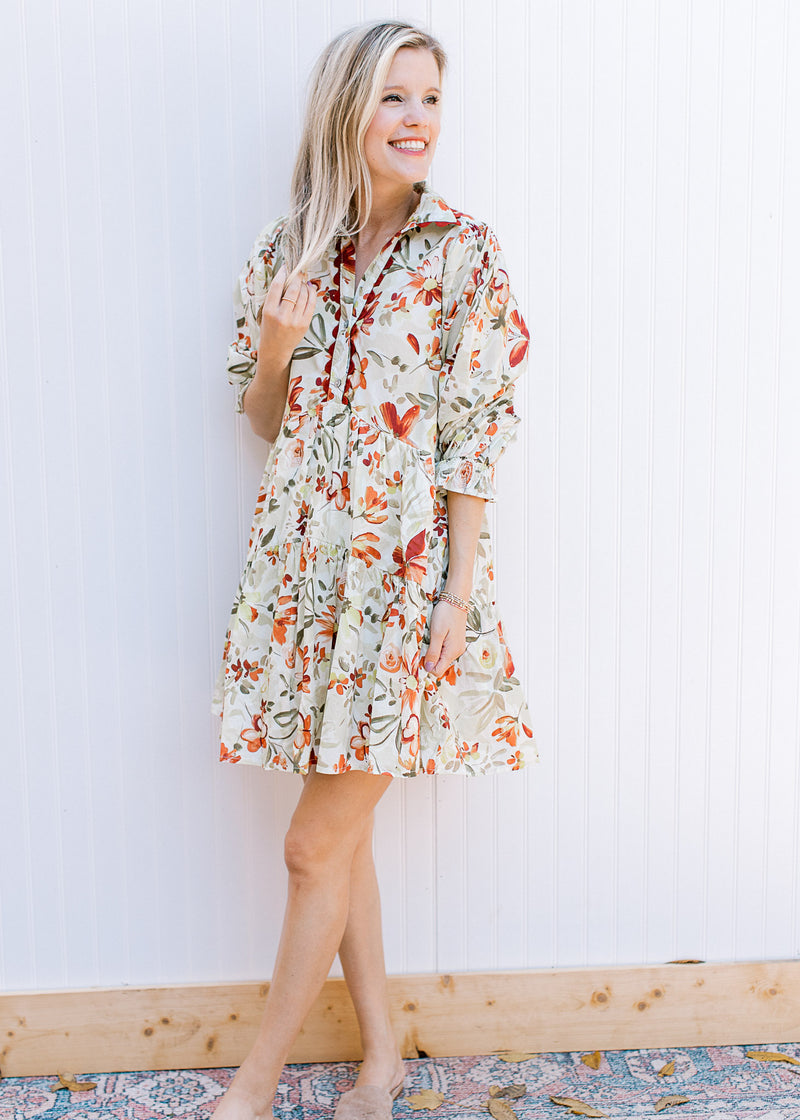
{"points": [[485, 349], [249, 292]]}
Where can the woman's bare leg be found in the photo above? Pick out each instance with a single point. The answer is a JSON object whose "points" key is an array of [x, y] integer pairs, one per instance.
{"points": [[319, 848], [361, 954]]}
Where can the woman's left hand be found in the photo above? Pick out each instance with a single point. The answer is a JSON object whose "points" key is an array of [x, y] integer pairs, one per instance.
{"points": [[448, 640]]}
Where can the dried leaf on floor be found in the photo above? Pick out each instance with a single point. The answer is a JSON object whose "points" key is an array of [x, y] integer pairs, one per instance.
{"points": [[592, 1060], [771, 1056], [665, 1102], [501, 1110], [67, 1080], [515, 1055], [667, 1070], [576, 1107], [512, 1091], [427, 1098]]}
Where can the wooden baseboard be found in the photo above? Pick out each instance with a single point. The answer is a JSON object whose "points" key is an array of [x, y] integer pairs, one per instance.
{"points": [[201, 1026]]}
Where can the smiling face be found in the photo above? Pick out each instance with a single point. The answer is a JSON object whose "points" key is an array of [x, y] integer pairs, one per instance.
{"points": [[401, 139]]}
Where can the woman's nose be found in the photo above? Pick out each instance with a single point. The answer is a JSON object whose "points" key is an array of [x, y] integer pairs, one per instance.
{"points": [[415, 113]]}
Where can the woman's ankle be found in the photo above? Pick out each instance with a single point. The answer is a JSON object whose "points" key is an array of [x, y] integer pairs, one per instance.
{"points": [[239, 1103], [381, 1067], [252, 1087], [380, 1044]]}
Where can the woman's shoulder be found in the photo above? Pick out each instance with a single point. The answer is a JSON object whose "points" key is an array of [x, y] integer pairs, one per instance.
{"points": [[472, 255], [264, 258], [471, 241], [268, 239]]}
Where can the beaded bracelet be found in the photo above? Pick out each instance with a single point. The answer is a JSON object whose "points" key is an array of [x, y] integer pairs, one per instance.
{"points": [[449, 597]]}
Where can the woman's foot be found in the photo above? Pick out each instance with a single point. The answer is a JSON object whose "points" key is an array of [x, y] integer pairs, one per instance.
{"points": [[385, 1069], [237, 1104]]}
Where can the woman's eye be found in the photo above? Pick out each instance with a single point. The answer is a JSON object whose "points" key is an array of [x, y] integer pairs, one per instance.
{"points": [[433, 99]]}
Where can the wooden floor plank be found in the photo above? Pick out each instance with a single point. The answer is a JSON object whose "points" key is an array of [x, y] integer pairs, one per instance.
{"points": [[197, 1026]]}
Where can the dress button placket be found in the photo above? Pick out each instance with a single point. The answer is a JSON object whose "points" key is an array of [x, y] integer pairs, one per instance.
{"points": [[341, 358], [339, 366], [341, 351], [348, 294]]}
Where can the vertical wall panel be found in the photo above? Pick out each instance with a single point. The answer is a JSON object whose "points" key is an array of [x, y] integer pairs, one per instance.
{"points": [[638, 162]]}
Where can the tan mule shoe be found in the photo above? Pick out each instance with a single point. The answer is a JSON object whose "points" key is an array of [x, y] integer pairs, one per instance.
{"points": [[367, 1102]]}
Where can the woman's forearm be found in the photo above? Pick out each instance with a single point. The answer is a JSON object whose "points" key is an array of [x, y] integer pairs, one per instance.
{"points": [[464, 516], [264, 400]]}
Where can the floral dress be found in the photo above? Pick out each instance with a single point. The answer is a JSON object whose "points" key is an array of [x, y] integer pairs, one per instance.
{"points": [[400, 391]]}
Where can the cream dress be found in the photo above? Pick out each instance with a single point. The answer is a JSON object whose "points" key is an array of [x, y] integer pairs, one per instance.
{"points": [[401, 390]]}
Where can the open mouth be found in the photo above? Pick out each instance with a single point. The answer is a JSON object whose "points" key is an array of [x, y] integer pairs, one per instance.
{"points": [[413, 147]]}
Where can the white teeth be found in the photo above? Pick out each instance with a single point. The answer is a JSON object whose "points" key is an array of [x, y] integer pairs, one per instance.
{"points": [[410, 145]]}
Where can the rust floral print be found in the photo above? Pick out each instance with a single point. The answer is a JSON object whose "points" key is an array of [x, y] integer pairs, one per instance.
{"points": [[401, 391]]}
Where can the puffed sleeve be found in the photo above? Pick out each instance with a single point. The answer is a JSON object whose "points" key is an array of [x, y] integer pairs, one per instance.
{"points": [[248, 298], [484, 351]]}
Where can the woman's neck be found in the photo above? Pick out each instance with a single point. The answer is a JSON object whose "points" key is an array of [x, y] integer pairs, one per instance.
{"points": [[389, 213]]}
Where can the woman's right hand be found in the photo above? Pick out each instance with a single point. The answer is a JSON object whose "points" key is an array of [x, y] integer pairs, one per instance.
{"points": [[285, 316]]}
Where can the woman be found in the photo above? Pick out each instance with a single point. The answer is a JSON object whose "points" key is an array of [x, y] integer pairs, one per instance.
{"points": [[378, 345]]}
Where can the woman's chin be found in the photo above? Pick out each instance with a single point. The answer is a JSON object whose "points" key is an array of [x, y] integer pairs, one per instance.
{"points": [[401, 176]]}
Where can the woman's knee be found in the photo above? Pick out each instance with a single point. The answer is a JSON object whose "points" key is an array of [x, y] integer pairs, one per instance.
{"points": [[310, 850], [325, 830]]}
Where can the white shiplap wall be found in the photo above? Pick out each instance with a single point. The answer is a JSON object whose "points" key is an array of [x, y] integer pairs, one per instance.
{"points": [[640, 163]]}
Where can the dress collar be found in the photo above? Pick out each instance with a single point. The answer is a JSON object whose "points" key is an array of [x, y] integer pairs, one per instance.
{"points": [[431, 210]]}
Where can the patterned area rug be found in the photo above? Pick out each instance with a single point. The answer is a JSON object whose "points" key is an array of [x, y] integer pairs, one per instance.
{"points": [[718, 1081]]}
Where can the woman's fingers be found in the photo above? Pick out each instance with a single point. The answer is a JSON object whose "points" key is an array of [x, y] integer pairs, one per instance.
{"points": [[292, 294], [305, 302], [282, 296], [447, 640], [274, 291], [451, 651], [438, 633], [285, 315], [433, 651]]}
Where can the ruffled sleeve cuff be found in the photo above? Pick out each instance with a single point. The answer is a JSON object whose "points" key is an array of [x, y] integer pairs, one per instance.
{"points": [[241, 371], [467, 475]]}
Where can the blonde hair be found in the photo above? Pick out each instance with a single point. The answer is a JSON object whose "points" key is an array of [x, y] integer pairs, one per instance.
{"points": [[331, 188]]}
